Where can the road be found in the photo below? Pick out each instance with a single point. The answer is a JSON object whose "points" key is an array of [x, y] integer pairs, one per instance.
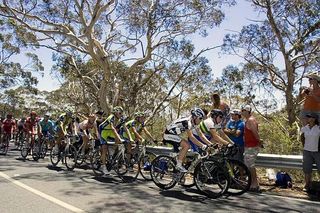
{"points": [[29, 186]]}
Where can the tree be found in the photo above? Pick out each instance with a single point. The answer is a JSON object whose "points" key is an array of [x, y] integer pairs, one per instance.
{"points": [[135, 32], [290, 34], [12, 40]]}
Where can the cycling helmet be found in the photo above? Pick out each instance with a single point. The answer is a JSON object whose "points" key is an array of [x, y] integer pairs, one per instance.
{"points": [[139, 114], [215, 113], [99, 112], [9, 115], [197, 112], [68, 112], [117, 109]]}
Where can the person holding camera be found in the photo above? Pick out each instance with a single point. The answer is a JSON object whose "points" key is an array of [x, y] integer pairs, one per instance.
{"points": [[311, 98]]}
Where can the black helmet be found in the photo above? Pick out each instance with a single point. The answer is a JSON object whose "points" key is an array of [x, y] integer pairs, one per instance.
{"points": [[215, 113]]}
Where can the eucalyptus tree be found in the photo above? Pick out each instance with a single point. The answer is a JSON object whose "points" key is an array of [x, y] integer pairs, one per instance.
{"points": [[106, 31], [281, 48]]}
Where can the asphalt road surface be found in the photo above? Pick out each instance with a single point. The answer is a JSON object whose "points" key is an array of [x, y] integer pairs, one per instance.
{"points": [[29, 186]]}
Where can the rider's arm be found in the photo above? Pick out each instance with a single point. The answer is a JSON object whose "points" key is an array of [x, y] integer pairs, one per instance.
{"points": [[148, 133], [203, 137], [216, 138], [193, 139], [115, 132], [224, 136], [128, 132], [138, 136]]}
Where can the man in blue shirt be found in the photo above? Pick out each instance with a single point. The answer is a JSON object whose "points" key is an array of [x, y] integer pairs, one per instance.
{"points": [[235, 130]]}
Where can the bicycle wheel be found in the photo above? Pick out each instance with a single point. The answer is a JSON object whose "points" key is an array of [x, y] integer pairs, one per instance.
{"points": [[240, 177], [4, 146], [163, 172], [145, 165], [55, 156], [211, 179], [95, 162], [43, 149], [120, 166], [25, 150], [70, 157], [36, 150], [132, 167]]}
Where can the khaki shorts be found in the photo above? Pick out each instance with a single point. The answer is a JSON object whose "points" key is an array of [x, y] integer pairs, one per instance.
{"points": [[250, 156]]}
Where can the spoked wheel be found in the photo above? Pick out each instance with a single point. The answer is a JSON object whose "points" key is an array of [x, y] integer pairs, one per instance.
{"points": [[132, 167], [43, 150], [25, 150], [55, 156], [36, 151], [145, 165], [95, 162], [4, 146], [240, 177], [163, 172], [120, 166], [70, 157], [211, 179]]}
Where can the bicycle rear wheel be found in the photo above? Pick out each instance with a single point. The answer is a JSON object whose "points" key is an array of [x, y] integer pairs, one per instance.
{"points": [[240, 177], [145, 165], [211, 179], [163, 172], [36, 150]]}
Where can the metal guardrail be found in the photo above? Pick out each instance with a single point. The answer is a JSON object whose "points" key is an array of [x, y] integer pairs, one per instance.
{"points": [[263, 160]]}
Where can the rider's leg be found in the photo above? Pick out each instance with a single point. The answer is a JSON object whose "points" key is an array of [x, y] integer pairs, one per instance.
{"points": [[185, 146]]}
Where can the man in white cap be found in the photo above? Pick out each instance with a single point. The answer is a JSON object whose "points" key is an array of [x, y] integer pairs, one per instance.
{"points": [[252, 145], [311, 97]]}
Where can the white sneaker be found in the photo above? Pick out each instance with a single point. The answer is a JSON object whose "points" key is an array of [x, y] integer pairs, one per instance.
{"points": [[105, 171], [181, 168]]}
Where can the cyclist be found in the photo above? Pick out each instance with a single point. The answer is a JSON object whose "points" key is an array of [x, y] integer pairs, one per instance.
{"points": [[31, 127], [47, 127], [108, 131], [211, 127], [65, 122], [8, 126], [174, 135], [85, 128]]}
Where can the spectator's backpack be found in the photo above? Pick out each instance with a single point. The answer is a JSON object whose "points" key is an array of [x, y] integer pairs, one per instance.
{"points": [[283, 180]]}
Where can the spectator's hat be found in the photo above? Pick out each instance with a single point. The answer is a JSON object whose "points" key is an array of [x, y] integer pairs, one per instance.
{"points": [[312, 115], [235, 112], [314, 75], [247, 108]]}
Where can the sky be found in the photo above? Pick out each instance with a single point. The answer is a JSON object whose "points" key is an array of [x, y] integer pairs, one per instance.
{"points": [[235, 17]]}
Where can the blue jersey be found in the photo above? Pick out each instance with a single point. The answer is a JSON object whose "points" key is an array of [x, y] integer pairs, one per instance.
{"points": [[238, 125], [46, 126]]}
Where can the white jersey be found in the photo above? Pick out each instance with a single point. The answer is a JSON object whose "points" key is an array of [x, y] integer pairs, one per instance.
{"points": [[179, 126]]}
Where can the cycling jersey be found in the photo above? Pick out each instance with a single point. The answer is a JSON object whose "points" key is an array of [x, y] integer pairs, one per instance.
{"points": [[105, 129], [31, 124], [46, 126], [64, 122], [8, 126], [130, 124], [174, 131]]}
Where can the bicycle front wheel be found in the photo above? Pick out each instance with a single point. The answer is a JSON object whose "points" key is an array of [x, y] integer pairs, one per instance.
{"points": [[145, 165], [240, 177], [70, 157], [163, 172], [25, 150], [211, 179], [4, 146]]}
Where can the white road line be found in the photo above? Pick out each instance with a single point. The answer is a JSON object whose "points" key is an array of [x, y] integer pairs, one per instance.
{"points": [[41, 194]]}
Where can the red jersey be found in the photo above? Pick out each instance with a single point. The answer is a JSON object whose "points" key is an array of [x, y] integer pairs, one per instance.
{"points": [[249, 139], [30, 125], [8, 125]]}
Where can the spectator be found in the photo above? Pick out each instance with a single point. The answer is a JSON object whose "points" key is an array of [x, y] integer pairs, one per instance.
{"points": [[252, 145], [311, 97], [311, 148], [235, 130], [217, 103]]}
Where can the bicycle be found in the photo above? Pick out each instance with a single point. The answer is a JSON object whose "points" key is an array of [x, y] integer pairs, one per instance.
{"points": [[66, 154], [41, 147], [115, 161], [4, 146], [208, 176], [93, 145], [19, 140], [28, 147], [239, 173]]}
